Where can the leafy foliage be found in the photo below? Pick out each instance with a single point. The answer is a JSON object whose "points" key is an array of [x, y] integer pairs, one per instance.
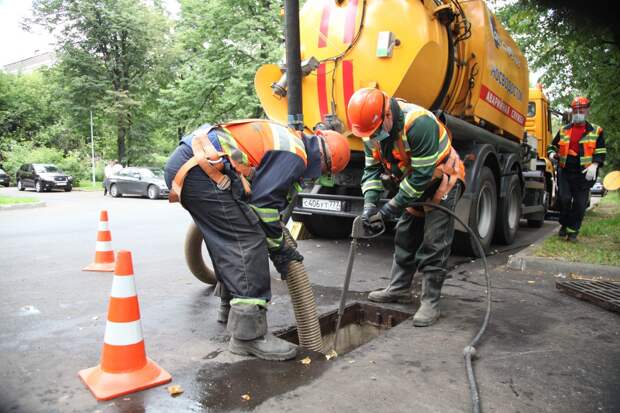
{"points": [[222, 44], [110, 52], [579, 53]]}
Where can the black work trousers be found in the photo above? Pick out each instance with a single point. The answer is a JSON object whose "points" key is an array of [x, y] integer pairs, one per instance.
{"points": [[574, 193], [423, 244], [232, 233]]}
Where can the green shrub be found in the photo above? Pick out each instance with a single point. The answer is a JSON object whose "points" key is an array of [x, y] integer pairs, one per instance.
{"points": [[73, 164]]}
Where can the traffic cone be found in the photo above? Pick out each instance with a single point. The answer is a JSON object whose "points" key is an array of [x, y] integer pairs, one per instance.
{"points": [[124, 366], [104, 255]]}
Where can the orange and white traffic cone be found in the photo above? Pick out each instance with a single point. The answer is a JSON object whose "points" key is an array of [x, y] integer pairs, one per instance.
{"points": [[104, 255], [124, 366]]}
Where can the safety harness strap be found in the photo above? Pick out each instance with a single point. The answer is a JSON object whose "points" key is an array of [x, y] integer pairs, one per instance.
{"points": [[211, 162]]}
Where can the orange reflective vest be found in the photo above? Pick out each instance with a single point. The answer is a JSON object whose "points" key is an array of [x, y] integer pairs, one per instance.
{"points": [[244, 144], [401, 150], [587, 145]]}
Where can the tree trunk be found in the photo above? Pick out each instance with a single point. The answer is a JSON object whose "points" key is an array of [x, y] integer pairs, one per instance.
{"points": [[120, 141]]}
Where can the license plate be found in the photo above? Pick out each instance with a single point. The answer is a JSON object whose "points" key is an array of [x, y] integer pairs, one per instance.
{"points": [[324, 204], [61, 183]]}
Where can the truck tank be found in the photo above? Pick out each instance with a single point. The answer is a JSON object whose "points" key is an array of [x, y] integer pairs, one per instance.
{"points": [[449, 56], [453, 56]]}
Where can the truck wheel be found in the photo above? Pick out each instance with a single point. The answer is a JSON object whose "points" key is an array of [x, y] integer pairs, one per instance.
{"points": [[537, 221], [481, 216], [193, 255], [509, 213], [325, 226]]}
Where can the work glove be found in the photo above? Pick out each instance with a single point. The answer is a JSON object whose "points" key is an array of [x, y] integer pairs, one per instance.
{"points": [[282, 257], [391, 211], [590, 171], [372, 219]]}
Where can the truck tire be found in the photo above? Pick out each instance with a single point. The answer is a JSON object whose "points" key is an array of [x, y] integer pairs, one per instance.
{"points": [[323, 226], [193, 256], [509, 213], [481, 216], [537, 220]]}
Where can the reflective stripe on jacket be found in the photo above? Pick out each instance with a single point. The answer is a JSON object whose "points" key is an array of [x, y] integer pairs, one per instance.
{"points": [[591, 145]]}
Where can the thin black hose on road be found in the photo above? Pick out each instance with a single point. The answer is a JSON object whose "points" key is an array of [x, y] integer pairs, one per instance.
{"points": [[470, 350]]}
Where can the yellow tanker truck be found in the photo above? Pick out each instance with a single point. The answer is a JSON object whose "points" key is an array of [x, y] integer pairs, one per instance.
{"points": [[452, 57]]}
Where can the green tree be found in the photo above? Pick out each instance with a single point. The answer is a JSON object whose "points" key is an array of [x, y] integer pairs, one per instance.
{"points": [[222, 44], [110, 53], [579, 53]]}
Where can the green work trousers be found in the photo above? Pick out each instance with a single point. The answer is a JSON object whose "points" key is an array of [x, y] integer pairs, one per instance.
{"points": [[423, 244]]}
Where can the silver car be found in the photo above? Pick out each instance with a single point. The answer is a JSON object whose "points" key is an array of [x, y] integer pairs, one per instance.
{"points": [[137, 181]]}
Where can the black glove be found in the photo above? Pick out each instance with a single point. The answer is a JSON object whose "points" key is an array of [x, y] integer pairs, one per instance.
{"points": [[369, 211], [390, 211], [281, 258]]}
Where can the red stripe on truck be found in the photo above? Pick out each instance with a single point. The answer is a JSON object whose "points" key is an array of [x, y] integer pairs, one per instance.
{"points": [[347, 84], [321, 86], [492, 99], [324, 28], [349, 25]]}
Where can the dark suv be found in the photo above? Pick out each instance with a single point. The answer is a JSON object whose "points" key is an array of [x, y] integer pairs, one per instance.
{"points": [[42, 177], [4, 178]]}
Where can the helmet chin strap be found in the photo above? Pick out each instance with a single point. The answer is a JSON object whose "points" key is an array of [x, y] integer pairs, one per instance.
{"points": [[325, 155]]}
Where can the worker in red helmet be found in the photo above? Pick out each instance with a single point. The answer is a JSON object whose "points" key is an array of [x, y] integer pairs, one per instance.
{"points": [[235, 179], [579, 148], [409, 149]]}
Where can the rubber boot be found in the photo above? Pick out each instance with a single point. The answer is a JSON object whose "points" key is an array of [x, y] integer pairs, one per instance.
{"points": [[562, 232], [225, 297], [223, 311], [399, 290], [428, 312], [247, 324], [572, 234]]}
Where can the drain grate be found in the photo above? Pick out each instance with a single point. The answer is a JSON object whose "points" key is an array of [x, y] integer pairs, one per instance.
{"points": [[602, 293]]}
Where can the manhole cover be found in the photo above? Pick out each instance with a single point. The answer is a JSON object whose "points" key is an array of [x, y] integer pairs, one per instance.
{"points": [[361, 323], [602, 293]]}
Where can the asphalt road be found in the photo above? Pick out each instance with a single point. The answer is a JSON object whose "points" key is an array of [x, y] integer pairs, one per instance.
{"points": [[544, 351]]}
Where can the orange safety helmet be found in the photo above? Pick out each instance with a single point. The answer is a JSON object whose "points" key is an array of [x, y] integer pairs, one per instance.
{"points": [[366, 110], [580, 102], [338, 147]]}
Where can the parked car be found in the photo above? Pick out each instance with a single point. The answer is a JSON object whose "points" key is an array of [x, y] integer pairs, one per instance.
{"points": [[4, 178], [137, 181], [598, 188], [42, 177]]}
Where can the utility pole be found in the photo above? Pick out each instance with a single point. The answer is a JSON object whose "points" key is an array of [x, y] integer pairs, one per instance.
{"points": [[92, 146], [293, 65]]}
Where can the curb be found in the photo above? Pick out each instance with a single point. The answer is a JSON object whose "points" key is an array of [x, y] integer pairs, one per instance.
{"points": [[23, 206], [522, 261]]}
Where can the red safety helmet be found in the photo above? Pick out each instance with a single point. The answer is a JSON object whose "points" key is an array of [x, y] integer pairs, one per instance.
{"points": [[580, 102], [366, 110], [338, 147]]}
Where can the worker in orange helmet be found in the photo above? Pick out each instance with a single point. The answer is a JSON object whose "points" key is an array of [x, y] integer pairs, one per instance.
{"points": [[579, 148], [235, 179], [408, 148]]}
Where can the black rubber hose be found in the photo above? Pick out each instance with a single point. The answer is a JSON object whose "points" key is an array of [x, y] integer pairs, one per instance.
{"points": [[470, 350]]}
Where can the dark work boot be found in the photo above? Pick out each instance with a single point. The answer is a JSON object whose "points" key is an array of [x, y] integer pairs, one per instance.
{"points": [[225, 297], [223, 310], [572, 234], [428, 312], [562, 232], [247, 324], [399, 290]]}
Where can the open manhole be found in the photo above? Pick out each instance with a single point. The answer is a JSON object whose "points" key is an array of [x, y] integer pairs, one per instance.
{"points": [[360, 324]]}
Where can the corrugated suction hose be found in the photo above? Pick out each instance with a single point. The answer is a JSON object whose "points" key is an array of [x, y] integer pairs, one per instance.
{"points": [[304, 304]]}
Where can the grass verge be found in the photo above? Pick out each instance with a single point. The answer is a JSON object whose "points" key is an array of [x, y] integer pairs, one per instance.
{"points": [[88, 186], [599, 237], [11, 200]]}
